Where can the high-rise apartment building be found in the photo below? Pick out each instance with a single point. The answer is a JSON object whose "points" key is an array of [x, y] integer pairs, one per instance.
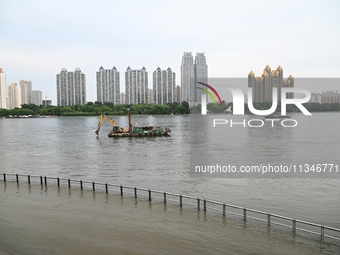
{"points": [[262, 87], [191, 73], [36, 97], [200, 74], [3, 94], [150, 96], [14, 96], [71, 88], [164, 86], [108, 85], [26, 91], [187, 75], [122, 98], [178, 93], [136, 86]]}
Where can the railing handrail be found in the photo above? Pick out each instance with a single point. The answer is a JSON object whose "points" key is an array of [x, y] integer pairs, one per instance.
{"points": [[44, 179]]}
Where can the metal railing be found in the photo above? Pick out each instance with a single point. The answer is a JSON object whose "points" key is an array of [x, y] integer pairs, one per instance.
{"points": [[199, 203]]}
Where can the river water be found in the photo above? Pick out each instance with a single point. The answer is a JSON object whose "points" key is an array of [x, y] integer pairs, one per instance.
{"points": [[68, 148]]}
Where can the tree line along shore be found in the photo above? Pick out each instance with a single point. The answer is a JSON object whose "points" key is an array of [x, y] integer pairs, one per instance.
{"points": [[96, 108]]}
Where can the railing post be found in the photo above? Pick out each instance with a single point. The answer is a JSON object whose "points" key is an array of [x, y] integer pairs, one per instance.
{"points": [[45, 178], [58, 182], [224, 210], [180, 201], [205, 205], [164, 194], [198, 204], [106, 188], [4, 177], [93, 186], [69, 183], [269, 220], [322, 233], [135, 189], [245, 214], [149, 194], [17, 177], [121, 190], [81, 185], [41, 180], [294, 226], [29, 179]]}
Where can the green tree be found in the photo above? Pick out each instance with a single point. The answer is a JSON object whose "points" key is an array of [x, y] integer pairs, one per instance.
{"points": [[180, 109], [106, 109], [173, 106], [3, 112], [186, 107]]}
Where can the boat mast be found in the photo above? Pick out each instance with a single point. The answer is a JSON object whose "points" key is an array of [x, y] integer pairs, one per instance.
{"points": [[130, 125]]}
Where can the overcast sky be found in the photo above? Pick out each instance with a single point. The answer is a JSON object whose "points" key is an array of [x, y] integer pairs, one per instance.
{"points": [[39, 37]]}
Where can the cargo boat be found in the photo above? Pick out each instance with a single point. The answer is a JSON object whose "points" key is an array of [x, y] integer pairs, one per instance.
{"points": [[144, 131], [141, 132]]}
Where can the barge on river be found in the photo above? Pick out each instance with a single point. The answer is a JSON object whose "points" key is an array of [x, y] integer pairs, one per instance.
{"points": [[146, 131], [141, 132]]}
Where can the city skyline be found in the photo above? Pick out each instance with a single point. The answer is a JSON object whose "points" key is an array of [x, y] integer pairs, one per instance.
{"points": [[289, 82], [14, 95], [198, 71], [235, 39]]}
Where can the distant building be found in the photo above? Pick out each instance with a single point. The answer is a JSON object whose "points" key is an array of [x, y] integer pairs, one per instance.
{"points": [[14, 96], [200, 74], [316, 98], [3, 94], [108, 85], [46, 103], [164, 86], [136, 86], [122, 98], [191, 73], [262, 87], [71, 88], [326, 97], [26, 91], [178, 92], [36, 97], [187, 77], [150, 96], [330, 97]]}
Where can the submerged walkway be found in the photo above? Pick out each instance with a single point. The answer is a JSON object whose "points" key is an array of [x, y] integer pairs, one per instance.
{"points": [[41, 218]]}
